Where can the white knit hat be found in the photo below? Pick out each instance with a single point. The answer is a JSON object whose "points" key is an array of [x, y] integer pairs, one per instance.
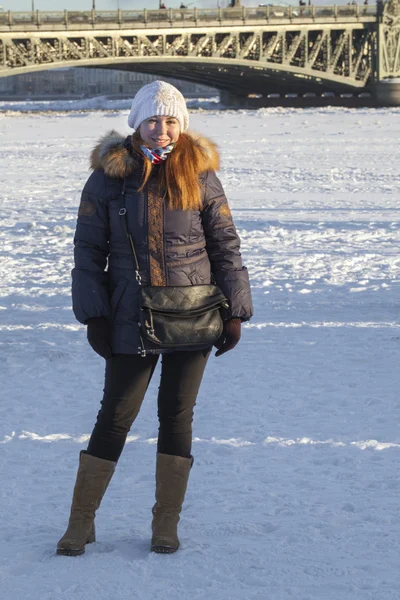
{"points": [[158, 99]]}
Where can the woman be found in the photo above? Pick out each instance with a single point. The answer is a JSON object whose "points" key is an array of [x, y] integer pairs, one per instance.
{"points": [[183, 233]]}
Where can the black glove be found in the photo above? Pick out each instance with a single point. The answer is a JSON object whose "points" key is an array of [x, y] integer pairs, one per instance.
{"points": [[99, 330], [230, 336]]}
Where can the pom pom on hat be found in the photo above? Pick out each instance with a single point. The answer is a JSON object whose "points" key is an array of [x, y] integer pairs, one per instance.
{"points": [[158, 99]]}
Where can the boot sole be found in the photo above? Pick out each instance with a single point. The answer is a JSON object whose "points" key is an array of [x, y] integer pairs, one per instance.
{"points": [[163, 549], [66, 552]]}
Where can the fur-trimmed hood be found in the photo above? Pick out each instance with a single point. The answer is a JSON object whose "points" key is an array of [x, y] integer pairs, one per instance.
{"points": [[117, 158]]}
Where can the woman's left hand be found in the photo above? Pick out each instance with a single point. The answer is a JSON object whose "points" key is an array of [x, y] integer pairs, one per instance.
{"points": [[230, 336], [99, 331]]}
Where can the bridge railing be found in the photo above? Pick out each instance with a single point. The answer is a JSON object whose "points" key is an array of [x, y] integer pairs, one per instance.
{"points": [[186, 17]]}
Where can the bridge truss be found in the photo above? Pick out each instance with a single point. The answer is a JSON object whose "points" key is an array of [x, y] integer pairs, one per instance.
{"points": [[389, 41]]}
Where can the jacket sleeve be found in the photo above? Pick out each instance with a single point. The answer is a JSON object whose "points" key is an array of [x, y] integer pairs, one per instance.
{"points": [[90, 296], [223, 249]]}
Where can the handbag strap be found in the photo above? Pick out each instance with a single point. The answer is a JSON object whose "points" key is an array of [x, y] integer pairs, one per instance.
{"points": [[123, 213]]}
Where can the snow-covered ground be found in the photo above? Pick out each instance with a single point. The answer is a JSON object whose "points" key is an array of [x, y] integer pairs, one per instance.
{"points": [[89, 104], [295, 490]]}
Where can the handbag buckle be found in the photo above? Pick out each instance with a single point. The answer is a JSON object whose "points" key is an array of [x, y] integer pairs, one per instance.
{"points": [[150, 326], [141, 348], [149, 329]]}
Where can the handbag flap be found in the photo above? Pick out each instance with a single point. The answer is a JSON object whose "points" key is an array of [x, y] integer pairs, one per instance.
{"points": [[181, 298]]}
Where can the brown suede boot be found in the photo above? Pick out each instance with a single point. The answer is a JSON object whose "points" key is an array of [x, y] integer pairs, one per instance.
{"points": [[94, 475], [172, 474]]}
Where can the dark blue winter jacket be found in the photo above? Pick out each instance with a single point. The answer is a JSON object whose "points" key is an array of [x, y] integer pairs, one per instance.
{"points": [[174, 247]]}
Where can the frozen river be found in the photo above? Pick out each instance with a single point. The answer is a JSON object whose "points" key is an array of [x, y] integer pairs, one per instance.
{"points": [[295, 490]]}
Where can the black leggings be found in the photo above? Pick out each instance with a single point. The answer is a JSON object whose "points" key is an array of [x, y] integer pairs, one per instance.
{"points": [[126, 381]]}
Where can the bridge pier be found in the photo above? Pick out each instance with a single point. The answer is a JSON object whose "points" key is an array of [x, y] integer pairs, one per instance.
{"points": [[233, 100], [387, 92]]}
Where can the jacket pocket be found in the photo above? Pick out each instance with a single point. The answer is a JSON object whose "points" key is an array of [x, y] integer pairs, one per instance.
{"points": [[199, 272], [195, 278]]}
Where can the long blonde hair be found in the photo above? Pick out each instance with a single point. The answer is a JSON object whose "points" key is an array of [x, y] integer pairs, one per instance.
{"points": [[178, 177]]}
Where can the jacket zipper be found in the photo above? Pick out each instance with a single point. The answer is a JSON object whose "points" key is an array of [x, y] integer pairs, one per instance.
{"points": [[164, 243], [146, 225]]}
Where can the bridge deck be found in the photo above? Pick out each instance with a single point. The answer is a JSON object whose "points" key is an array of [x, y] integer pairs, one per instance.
{"points": [[166, 19]]}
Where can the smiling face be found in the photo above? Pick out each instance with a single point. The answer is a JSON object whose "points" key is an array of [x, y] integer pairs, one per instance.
{"points": [[158, 132]]}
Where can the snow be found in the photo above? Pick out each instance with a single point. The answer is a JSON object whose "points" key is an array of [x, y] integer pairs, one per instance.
{"points": [[294, 493], [89, 104]]}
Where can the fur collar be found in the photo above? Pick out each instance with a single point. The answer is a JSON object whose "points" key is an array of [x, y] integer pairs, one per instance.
{"points": [[113, 156]]}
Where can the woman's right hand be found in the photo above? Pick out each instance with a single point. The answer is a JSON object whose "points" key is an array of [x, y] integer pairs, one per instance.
{"points": [[99, 331], [230, 336]]}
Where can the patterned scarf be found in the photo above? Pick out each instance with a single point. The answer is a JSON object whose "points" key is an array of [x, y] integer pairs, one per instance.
{"points": [[157, 155]]}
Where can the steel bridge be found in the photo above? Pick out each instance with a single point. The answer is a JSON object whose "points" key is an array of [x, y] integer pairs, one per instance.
{"points": [[243, 51]]}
